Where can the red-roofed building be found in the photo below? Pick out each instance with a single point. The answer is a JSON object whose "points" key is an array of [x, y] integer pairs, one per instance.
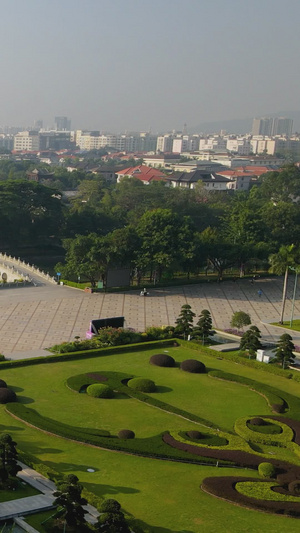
{"points": [[142, 173]]}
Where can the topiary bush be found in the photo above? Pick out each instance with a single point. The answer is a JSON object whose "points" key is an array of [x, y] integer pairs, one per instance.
{"points": [[266, 470], [3, 384], [109, 506], [142, 385], [193, 366], [278, 408], [99, 390], [294, 487], [194, 434], [162, 359], [257, 421], [7, 395], [126, 434]]}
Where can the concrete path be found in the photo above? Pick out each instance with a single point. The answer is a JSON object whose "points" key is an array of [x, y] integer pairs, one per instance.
{"points": [[40, 502], [34, 318]]}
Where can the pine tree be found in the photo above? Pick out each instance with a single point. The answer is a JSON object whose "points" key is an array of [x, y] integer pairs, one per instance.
{"points": [[203, 329], [68, 496], [8, 457], [184, 323], [284, 351], [250, 341]]}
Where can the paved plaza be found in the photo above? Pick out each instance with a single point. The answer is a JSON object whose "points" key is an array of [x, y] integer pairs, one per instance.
{"points": [[34, 318]]}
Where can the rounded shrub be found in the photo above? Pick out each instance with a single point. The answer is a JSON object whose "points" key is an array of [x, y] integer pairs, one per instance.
{"points": [[194, 434], [109, 506], [3, 384], [142, 385], [126, 434], [266, 469], [98, 390], [257, 421], [7, 395], [193, 366], [294, 487], [162, 359], [278, 408]]}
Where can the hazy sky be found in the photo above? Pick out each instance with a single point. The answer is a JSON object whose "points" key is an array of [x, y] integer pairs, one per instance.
{"points": [[134, 64]]}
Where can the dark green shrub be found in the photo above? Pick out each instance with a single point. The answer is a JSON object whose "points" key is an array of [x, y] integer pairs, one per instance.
{"points": [[98, 390], [126, 434], [194, 434], [156, 333], [109, 506], [162, 359], [257, 421], [294, 487], [7, 395], [193, 366], [3, 384], [278, 408], [142, 385], [266, 470]]}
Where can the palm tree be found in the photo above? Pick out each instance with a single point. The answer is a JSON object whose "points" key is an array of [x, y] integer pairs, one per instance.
{"points": [[280, 264]]}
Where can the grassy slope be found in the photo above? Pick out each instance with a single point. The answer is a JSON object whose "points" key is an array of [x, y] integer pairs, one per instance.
{"points": [[165, 495]]}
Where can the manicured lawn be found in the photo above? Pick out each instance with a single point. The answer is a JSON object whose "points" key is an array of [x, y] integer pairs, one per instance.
{"points": [[21, 491], [164, 495], [287, 324]]}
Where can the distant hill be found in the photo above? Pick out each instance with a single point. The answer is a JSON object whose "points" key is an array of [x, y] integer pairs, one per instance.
{"points": [[243, 125]]}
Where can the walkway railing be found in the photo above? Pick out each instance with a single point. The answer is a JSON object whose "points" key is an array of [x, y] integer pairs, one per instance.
{"points": [[27, 266]]}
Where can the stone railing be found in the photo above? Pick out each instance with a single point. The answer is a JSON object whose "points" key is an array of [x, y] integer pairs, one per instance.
{"points": [[17, 274]]}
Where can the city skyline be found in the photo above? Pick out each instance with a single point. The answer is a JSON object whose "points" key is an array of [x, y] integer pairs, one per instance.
{"points": [[153, 65]]}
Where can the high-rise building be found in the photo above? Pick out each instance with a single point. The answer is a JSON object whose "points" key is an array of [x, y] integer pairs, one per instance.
{"points": [[282, 126], [262, 126], [62, 123], [268, 126]]}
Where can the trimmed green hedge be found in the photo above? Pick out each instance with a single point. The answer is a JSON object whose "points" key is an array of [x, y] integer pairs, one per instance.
{"points": [[266, 470], [262, 490], [269, 392], [281, 439], [142, 385], [54, 358], [151, 447]]}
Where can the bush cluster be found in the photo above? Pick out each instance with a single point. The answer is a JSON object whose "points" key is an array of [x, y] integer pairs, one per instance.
{"points": [[126, 434], [7, 395], [142, 385], [266, 470], [98, 390], [162, 359], [193, 366]]}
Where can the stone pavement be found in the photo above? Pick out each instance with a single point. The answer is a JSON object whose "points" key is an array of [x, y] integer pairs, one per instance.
{"points": [[34, 318], [40, 502]]}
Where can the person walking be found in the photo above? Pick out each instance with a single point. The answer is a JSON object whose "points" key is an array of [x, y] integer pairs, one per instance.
{"points": [[259, 292]]}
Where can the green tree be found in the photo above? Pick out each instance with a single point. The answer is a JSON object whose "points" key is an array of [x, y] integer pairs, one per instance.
{"points": [[68, 497], [184, 323], [87, 256], [284, 350], [111, 518], [250, 341], [240, 319], [8, 458], [279, 264], [203, 329]]}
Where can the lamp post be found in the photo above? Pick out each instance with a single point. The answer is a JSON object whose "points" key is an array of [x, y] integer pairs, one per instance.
{"points": [[297, 271]]}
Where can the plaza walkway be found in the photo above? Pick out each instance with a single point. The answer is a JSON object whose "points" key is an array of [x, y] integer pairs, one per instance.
{"points": [[40, 502], [34, 318]]}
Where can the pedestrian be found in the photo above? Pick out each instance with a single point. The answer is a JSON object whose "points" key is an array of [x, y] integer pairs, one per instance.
{"points": [[259, 292]]}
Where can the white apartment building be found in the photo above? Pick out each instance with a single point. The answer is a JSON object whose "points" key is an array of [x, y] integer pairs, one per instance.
{"points": [[164, 143], [240, 145], [27, 141]]}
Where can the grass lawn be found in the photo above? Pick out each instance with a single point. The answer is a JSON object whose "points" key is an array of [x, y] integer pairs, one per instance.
{"points": [[286, 324], [21, 491], [164, 495]]}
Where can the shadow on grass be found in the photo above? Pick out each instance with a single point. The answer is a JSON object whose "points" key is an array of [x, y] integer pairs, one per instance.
{"points": [[16, 389], [146, 527], [25, 400], [105, 490], [11, 428], [161, 389]]}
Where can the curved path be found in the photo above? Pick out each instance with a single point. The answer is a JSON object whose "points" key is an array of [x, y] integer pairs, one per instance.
{"points": [[34, 318]]}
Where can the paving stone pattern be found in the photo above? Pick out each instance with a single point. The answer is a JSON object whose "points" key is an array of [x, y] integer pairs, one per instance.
{"points": [[34, 318]]}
